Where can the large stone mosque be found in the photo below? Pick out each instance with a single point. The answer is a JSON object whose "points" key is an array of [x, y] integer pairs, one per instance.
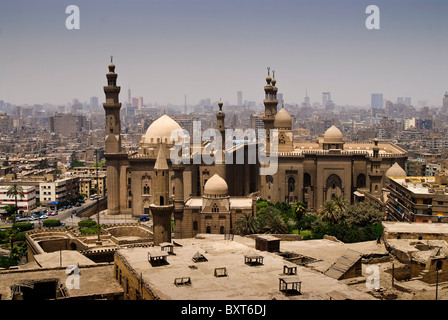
{"points": [[209, 198]]}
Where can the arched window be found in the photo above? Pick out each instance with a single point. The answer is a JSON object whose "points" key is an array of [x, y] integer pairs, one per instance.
{"points": [[306, 180], [333, 182], [361, 181], [208, 229], [215, 208], [162, 201], [291, 184]]}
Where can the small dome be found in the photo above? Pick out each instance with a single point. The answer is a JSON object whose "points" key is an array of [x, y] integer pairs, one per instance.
{"points": [[333, 134], [161, 129], [283, 119], [395, 171], [216, 186]]}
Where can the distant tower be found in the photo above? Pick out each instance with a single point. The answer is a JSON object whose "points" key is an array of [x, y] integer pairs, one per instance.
{"points": [[113, 152], [129, 95], [161, 209], [240, 98], [445, 103], [270, 107], [307, 103]]}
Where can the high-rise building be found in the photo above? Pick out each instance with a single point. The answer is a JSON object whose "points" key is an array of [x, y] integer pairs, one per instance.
{"points": [[326, 96], [306, 102], [94, 103], [376, 101], [240, 98], [139, 102], [445, 103]]}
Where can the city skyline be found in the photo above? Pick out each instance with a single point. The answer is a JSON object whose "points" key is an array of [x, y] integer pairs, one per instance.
{"points": [[166, 50]]}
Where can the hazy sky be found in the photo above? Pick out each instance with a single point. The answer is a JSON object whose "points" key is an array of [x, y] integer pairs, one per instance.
{"points": [[165, 49]]}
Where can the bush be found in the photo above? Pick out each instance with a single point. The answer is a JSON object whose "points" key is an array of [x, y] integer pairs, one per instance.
{"points": [[86, 223], [6, 262], [22, 226], [51, 223]]}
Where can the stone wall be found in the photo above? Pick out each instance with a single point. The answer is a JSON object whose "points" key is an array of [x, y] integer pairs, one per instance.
{"points": [[135, 288]]}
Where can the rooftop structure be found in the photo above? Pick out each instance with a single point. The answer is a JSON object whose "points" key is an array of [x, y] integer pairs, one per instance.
{"points": [[238, 279]]}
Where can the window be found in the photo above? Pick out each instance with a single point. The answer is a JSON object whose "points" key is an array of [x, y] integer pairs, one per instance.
{"points": [[215, 208], [195, 225], [291, 184]]}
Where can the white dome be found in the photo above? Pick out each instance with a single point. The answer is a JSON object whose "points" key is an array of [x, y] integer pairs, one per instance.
{"points": [[333, 134], [160, 130], [216, 186], [395, 171], [283, 119]]}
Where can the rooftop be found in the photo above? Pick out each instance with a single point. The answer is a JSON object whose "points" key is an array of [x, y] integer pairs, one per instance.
{"points": [[243, 282]]}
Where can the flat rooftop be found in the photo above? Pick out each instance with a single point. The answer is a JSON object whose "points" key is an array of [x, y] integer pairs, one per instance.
{"points": [[415, 227], [93, 280], [243, 282]]}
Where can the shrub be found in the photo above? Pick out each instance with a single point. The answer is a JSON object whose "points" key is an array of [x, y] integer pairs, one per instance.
{"points": [[51, 223], [22, 226], [86, 223]]}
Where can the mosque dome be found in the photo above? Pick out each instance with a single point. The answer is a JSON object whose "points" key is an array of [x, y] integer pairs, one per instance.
{"points": [[160, 130], [283, 119], [396, 171], [216, 186], [333, 135]]}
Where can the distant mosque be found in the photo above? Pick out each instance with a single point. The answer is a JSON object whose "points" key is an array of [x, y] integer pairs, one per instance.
{"points": [[210, 198]]}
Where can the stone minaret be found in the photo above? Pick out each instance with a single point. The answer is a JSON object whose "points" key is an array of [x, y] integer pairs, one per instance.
{"points": [[161, 209], [270, 107], [179, 203], [220, 168], [375, 173], [113, 152]]}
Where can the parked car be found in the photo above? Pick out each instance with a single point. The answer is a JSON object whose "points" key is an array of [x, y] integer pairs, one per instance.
{"points": [[43, 216], [20, 219], [77, 204], [55, 213], [32, 218]]}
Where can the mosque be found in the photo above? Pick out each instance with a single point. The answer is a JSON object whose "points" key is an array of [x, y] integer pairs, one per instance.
{"points": [[209, 198]]}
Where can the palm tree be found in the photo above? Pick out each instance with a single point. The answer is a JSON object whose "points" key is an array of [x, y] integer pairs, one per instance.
{"points": [[14, 191], [331, 212], [247, 224], [340, 202], [271, 221], [299, 210]]}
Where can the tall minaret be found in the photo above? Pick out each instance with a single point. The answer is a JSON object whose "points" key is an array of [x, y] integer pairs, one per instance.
{"points": [[375, 173], [220, 168], [112, 107], [270, 107], [113, 152], [161, 208]]}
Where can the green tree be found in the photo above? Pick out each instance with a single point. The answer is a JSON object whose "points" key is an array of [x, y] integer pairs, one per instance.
{"points": [[15, 191], [247, 224], [271, 221], [299, 210], [331, 212], [340, 202], [76, 163], [363, 214]]}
